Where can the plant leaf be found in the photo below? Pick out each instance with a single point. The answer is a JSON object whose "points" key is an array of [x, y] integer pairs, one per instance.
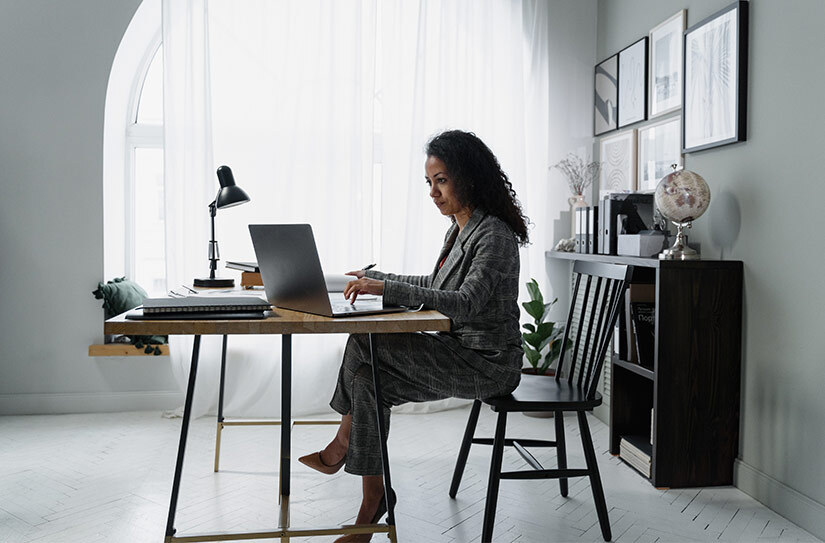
{"points": [[533, 355], [534, 291], [529, 327], [535, 309]]}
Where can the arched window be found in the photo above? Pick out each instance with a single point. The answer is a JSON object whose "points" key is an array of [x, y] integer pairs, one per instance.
{"points": [[133, 155], [144, 139]]}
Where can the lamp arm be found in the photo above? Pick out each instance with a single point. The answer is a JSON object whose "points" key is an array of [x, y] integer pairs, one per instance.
{"points": [[213, 244]]}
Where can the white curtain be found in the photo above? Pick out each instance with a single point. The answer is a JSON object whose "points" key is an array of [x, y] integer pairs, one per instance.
{"points": [[322, 110]]}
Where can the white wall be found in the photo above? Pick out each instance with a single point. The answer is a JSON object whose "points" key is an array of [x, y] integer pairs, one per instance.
{"points": [[766, 211], [55, 59], [572, 53]]}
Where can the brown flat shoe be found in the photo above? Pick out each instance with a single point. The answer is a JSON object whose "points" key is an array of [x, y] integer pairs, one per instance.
{"points": [[315, 462]]}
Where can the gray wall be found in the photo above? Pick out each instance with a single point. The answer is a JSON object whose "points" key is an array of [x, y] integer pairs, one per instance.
{"points": [[55, 59], [766, 211]]}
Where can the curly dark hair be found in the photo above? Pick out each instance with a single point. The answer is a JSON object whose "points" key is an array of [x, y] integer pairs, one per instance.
{"points": [[479, 179]]}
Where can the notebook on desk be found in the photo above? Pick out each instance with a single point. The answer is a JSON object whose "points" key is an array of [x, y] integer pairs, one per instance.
{"points": [[293, 278], [139, 314]]}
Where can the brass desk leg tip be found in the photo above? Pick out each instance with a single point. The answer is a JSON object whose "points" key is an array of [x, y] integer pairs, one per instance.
{"points": [[218, 446]]}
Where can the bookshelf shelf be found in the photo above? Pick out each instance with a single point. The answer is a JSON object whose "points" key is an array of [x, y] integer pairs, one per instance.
{"points": [[635, 368], [690, 400]]}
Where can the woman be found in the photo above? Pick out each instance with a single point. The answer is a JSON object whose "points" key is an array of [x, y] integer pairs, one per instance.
{"points": [[475, 283]]}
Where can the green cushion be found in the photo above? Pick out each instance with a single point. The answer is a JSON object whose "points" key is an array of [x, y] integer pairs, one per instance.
{"points": [[119, 295]]}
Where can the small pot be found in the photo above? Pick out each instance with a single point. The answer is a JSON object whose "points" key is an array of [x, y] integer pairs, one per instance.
{"points": [[550, 372]]}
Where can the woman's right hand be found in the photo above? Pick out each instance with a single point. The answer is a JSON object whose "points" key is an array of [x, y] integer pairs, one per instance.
{"points": [[357, 273]]}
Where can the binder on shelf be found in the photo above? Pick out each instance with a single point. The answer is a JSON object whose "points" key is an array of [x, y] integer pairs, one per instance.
{"points": [[579, 225], [594, 230], [588, 228]]}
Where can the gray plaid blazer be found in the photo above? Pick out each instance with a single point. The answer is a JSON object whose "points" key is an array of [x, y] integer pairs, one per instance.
{"points": [[477, 287]]}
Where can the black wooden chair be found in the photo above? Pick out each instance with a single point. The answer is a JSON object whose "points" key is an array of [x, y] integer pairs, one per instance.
{"points": [[573, 389]]}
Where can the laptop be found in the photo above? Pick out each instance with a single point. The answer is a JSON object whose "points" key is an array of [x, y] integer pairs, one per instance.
{"points": [[293, 278]]}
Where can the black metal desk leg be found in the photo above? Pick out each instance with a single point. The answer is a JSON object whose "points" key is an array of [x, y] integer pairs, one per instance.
{"points": [[184, 430], [382, 438], [220, 406], [223, 377], [286, 410]]}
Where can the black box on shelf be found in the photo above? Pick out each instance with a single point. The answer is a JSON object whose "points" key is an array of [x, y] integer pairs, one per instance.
{"points": [[627, 213]]}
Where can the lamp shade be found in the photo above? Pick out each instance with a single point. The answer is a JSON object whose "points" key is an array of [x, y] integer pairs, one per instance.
{"points": [[229, 194]]}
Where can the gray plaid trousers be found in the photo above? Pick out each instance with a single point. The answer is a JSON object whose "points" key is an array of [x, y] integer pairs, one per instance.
{"points": [[414, 367]]}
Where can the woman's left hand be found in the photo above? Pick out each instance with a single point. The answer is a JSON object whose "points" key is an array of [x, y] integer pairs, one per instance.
{"points": [[365, 285]]}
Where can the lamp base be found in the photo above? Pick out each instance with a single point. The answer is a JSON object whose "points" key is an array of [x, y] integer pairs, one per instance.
{"points": [[215, 282]]}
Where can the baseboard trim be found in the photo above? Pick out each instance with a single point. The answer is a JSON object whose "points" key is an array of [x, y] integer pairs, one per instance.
{"points": [[88, 402], [806, 512]]}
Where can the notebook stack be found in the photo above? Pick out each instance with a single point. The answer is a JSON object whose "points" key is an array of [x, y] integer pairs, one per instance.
{"points": [[634, 451], [201, 307]]}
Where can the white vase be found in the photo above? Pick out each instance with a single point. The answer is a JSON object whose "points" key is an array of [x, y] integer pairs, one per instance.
{"points": [[576, 201]]}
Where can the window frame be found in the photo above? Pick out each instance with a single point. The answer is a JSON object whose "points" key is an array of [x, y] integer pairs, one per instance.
{"points": [[122, 134]]}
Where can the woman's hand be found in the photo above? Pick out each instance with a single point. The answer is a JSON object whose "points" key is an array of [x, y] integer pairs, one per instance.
{"points": [[357, 273], [363, 285]]}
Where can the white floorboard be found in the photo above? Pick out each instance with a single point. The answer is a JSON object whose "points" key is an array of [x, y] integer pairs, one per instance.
{"points": [[107, 478]]}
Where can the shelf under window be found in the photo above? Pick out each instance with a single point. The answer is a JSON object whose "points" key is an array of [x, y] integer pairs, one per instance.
{"points": [[123, 349]]}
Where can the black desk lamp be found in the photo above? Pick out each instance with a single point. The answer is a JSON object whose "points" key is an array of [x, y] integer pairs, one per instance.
{"points": [[229, 195]]}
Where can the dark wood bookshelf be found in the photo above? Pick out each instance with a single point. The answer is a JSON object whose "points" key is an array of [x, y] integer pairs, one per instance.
{"points": [[694, 386]]}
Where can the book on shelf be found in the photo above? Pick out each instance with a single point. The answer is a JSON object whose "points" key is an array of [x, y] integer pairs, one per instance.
{"points": [[643, 318], [636, 452], [636, 292], [204, 304], [244, 266]]}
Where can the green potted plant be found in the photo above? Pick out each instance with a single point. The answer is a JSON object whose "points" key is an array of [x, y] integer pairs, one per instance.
{"points": [[541, 336]]}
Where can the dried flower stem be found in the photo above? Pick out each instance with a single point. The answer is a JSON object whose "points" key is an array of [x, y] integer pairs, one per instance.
{"points": [[579, 174]]}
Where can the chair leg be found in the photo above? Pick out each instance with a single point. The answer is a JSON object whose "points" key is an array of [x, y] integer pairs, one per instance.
{"points": [[495, 477], [561, 450], [595, 479], [464, 451]]}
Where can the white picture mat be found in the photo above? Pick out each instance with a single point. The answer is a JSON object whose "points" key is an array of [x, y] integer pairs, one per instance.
{"points": [[665, 81], [618, 156], [606, 95], [660, 145], [632, 83], [711, 67]]}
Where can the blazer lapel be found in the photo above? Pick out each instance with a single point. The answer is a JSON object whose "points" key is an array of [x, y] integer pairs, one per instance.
{"points": [[456, 253]]}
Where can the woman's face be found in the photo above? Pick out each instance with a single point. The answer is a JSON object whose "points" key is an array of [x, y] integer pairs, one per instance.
{"points": [[442, 188]]}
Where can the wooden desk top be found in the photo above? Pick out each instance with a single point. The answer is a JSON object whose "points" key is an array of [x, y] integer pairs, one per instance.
{"points": [[284, 321]]}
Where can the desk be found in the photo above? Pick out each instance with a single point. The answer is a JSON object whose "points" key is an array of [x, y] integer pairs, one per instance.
{"points": [[284, 323]]}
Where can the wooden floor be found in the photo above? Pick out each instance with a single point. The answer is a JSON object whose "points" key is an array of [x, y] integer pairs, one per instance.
{"points": [[107, 478]]}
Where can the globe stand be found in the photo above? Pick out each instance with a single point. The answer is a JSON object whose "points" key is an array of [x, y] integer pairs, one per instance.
{"points": [[680, 250]]}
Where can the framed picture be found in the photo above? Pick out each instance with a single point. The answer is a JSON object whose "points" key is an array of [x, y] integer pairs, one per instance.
{"points": [[606, 95], [633, 83], [618, 156], [660, 146], [665, 81], [714, 108]]}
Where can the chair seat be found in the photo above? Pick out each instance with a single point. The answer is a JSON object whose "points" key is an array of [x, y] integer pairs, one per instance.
{"points": [[544, 393]]}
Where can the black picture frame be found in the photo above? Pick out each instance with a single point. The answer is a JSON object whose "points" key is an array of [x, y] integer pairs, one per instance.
{"points": [[633, 68], [714, 108], [606, 95]]}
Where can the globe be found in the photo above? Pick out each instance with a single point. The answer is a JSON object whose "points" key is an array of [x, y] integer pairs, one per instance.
{"points": [[682, 196]]}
